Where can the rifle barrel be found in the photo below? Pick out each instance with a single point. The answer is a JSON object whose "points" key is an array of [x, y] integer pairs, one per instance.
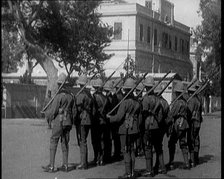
{"points": [[128, 93]]}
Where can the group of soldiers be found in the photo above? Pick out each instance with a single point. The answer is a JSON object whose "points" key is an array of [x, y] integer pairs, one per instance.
{"points": [[131, 114]]}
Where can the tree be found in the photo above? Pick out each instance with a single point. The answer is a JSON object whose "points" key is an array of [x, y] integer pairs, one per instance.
{"points": [[208, 35], [69, 32]]}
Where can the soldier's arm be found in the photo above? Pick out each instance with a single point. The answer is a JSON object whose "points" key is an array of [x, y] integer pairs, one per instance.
{"points": [[53, 110], [120, 114]]}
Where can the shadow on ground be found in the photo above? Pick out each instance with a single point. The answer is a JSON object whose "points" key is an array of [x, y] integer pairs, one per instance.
{"points": [[205, 159]]}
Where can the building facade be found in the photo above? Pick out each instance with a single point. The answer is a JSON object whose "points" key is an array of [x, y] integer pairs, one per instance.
{"points": [[147, 31]]}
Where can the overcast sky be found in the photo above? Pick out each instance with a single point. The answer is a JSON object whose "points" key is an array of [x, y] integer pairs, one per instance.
{"points": [[185, 11]]}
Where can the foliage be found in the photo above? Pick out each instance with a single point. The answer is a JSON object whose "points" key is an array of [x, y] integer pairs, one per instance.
{"points": [[69, 31], [208, 35], [25, 79]]}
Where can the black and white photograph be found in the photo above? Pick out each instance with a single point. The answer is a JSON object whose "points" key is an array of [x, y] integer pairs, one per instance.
{"points": [[111, 89]]}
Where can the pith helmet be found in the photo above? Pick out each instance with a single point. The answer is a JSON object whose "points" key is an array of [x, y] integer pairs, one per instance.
{"points": [[179, 87], [197, 84], [140, 86], [108, 86], [97, 83], [118, 83], [129, 83], [82, 80], [158, 89], [149, 81], [61, 78]]}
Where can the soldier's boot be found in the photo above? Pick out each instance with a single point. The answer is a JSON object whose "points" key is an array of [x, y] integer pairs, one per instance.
{"points": [[64, 166], [83, 163], [156, 167], [196, 158], [127, 162], [162, 168], [170, 165], [192, 161], [50, 168], [186, 165]]}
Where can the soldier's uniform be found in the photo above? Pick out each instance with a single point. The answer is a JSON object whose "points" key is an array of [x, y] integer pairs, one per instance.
{"points": [[178, 118], [83, 119], [127, 117], [162, 115], [108, 87], [117, 97], [140, 148], [150, 107], [61, 113], [195, 107], [99, 129]]}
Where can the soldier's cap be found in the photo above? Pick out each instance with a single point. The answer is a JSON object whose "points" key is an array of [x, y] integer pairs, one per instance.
{"points": [[118, 83], [108, 86], [61, 78], [149, 81], [129, 83], [97, 83], [82, 80], [158, 89], [179, 87], [140, 86]]}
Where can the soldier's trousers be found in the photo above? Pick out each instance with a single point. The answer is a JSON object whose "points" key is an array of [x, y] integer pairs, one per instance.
{"points": [[116, 139], [99, 134], [128, 150], [180, 135], [83, 131], [151, 139], [59, 132], [193, 142], [140, 143]]}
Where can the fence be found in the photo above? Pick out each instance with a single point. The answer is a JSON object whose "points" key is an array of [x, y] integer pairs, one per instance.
{"points": [[23, 101]]}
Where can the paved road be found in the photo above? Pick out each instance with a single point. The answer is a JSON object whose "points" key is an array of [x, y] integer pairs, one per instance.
{"points": [[25, 147]]}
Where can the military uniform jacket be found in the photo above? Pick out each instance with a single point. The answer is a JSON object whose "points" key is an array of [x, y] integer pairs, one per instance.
{"points": [[164, 110], [150, 110], [195, 107], [100, 105], [179, 114], [61, 109], [84, 108], [128, 109]]}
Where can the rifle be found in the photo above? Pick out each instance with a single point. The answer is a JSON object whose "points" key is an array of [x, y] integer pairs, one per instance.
{"points": [[161, 92], [42, 111], [128, 93], [112, 74], [85, 85], [192, 82], [200, 89], [154, 85]]}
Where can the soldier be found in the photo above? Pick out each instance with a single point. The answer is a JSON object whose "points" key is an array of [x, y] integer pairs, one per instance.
{"points": [[117, 97], [178, 121], [140, 150], [99, 126], [107, 88], [83, 119], [61, 113], [164, 110], [128, 118], [195, 107], [150, 107]]}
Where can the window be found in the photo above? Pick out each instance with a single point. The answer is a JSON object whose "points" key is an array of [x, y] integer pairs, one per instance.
{"points": [[170, 42], [148, 4], [117, 30], [141, 32], [187, 46], [181, 46], [155, 36], [148, 35], [165, 40], [176, 43]]}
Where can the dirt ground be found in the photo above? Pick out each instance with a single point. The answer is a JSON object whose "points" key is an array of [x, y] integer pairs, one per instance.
{"points": [[25, 148]]}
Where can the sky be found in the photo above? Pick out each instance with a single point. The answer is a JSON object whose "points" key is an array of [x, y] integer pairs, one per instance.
{"points": [[185, 12]]}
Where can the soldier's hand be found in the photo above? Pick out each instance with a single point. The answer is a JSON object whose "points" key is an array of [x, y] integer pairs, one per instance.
{"points": [[108, 116]]}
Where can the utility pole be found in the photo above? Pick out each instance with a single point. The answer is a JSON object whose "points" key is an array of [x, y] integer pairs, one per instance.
{"points": [[153, 48]]}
